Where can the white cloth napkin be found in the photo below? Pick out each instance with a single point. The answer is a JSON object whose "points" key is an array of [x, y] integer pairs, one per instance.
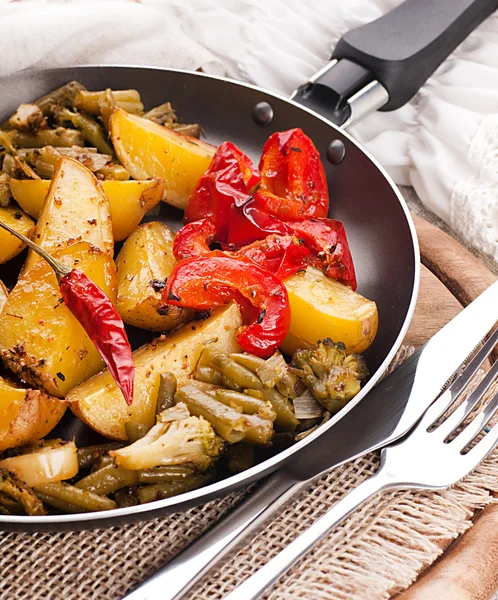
{"points": [[444, 142]]}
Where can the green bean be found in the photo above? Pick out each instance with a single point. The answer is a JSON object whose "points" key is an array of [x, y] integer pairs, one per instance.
{"points": [[27, 117], [159, 491], [240, 457], [193, 130], [275, 373], [49, 137], [76, 496], [63, 96], [208, 375], [249, 361], [242, 377], [102, 462], [107, 105], [90, 101], [107, 480], [113, 171], [135, 431], [260, 430], [286, 419], [64, 507], [248, 404], [163, 474], [89, 455], [227, 422], [11, 506], [92, 131], [126, 497], [167, 391]]}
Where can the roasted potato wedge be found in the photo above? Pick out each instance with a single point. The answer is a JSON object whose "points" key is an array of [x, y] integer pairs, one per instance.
{"points": [[26, 415], [10, 246], [76, 209], [44, 465], [324, 308], [40, 339], [98, 401], [150, 150], [129, 200], [144, 262], [4, 294]]}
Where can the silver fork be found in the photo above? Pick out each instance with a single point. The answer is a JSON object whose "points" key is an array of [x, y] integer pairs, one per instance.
{"points": [[432, 456]]}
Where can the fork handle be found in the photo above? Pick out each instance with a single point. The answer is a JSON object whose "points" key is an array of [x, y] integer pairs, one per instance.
{"points": [[253, 587]]}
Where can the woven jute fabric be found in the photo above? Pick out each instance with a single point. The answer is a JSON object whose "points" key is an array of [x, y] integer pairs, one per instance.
{"points": [[373, 555]]}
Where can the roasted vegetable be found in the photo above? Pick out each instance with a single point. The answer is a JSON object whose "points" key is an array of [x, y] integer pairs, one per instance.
{"points": [[129, 200], [4, 294], [144, 262], [26, 415], [40, 339], [64, 496], [188, 440], [148, 150], [90, 102], [159, 491], [46, 465], [11, 488], [27, 117], [98, 401], [166, 393], [63, 96], [49, 137], [76, 209], [323, 307], [107, 480], [331, 375], [92, 131], [10, 246]]}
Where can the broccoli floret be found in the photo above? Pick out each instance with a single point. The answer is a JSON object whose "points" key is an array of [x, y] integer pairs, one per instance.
{"points": [[176, 439], [331, 375]]}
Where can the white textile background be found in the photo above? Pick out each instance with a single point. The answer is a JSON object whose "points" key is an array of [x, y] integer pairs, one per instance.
{"points": [[444, 142]]}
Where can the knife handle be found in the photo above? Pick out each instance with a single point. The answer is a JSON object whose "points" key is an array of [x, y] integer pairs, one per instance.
{"points": [[177, 577]]}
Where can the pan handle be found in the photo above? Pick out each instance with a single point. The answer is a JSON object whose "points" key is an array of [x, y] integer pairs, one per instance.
{"points": [[381, 65]]}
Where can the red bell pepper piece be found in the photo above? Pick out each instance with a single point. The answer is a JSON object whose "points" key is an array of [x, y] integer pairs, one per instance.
{"points": [[101, 321], [228, 181], [293, 182], [194, 238], [326, 238], [282, 255], [210, 281], [249, 223]]}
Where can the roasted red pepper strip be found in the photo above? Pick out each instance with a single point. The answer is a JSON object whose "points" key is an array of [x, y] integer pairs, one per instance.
{"points": [[210, 281], [101, 321], [283, 255], [194, 238], [326, 238], [228, 181], [249, 223], [293, 182]]}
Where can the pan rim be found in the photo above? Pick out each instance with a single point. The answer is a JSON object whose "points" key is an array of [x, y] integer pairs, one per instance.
{"points": [[95, 520]]}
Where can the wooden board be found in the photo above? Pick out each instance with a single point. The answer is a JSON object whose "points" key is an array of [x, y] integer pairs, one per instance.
{"points": [[451, 277]]}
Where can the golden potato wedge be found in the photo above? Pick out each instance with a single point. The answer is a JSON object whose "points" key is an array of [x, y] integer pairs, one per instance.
{"points": [[10, 246], [26, 415], [143, 263], [76, 209], [324, 308], [44, 465], [149, 150], [4, 294], [40, 339], [129, 200], [98, 401]]}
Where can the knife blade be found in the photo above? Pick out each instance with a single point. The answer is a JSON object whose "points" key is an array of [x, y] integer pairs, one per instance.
{"points": [[384, 415]]}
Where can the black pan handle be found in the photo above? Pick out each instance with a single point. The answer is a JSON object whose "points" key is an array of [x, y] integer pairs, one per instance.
{"points": [[381, 65]]}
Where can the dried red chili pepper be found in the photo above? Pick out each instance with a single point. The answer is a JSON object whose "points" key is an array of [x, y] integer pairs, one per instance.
{"points": [[194, 238], [96, 314], [228, 279], [293, 183], [101, 321], [228, 181]]}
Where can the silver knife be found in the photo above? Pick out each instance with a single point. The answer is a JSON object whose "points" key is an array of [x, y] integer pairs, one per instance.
{"points": [[384, 415]]}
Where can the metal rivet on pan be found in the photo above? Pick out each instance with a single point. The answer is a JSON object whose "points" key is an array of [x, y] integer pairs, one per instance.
{"points": [[336, 152], [262, 113]]}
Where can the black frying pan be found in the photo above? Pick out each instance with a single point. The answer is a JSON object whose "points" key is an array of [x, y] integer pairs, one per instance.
{"points": [[380, 65]]}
